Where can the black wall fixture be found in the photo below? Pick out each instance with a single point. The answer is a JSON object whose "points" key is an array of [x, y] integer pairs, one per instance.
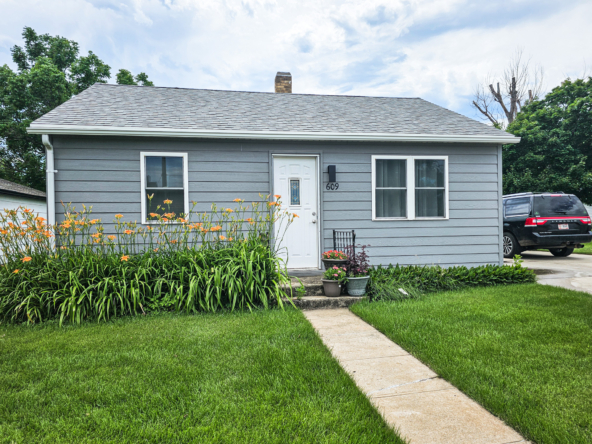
{"points": [[332, 173]]}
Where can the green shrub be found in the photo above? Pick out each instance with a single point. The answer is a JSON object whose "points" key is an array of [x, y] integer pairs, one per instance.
{"points": [[75, 271], [400, 282], [85, 285]]}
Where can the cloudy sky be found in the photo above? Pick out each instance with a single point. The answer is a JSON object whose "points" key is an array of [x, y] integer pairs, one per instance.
{"points": [[435, 49]]}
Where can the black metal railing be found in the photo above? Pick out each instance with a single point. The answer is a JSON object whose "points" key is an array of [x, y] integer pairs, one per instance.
{"points": [[344, 241]]}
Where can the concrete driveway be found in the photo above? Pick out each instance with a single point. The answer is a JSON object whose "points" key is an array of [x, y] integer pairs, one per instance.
{"points": [[573, 272]]}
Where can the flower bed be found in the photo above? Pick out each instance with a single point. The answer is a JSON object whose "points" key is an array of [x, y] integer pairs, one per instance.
{"points": [[401, 282], [76, 271]]}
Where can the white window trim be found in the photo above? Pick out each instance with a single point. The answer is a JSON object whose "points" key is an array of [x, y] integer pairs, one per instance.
{"points": [[143, 156], [410, 187]]}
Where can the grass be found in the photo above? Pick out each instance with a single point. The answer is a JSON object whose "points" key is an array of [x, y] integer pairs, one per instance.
{"points": [[586, 250], [224, 378], [523, 351]]}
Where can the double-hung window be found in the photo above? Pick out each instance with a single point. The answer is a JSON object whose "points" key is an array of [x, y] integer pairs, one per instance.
{"points": [[164, 179], [409, 187]]}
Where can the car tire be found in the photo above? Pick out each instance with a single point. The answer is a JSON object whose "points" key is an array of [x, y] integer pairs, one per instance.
{"points": [[510, 246], [561, 252]]}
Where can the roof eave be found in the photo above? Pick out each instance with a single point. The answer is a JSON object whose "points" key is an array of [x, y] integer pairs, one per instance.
{"points": [[20, 194], [269, 135]]}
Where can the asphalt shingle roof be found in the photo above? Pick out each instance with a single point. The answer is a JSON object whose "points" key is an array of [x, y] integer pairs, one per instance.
{"points": [[123, 106], [8, 187]]}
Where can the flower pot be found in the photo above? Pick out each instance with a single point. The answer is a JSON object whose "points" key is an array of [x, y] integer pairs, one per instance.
{"points": [[331, 288], [357, 286], [330, 263]]}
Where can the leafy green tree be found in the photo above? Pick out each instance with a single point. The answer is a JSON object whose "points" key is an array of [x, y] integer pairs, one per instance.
{"points": [[124, 77], [49, 72], [555, 153]]}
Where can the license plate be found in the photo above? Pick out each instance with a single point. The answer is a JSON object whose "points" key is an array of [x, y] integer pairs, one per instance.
{"points": [[564, 226]]}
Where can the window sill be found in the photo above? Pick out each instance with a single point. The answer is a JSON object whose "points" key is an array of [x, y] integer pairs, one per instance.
{"points": [[381, 219]]}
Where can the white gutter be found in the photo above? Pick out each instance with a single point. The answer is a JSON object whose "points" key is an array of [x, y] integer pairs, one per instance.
{"points": [[270, 135], [50, 185]]}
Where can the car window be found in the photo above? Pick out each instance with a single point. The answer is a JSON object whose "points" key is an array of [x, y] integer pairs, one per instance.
{"points": [[562, 205], [517, 207]]}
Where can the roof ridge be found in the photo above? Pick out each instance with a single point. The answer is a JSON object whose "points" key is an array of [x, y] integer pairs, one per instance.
{"points": [[253, 92]]}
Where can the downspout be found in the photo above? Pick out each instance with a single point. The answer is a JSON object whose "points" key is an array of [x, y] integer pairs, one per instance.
{"points": [[50, 185]]}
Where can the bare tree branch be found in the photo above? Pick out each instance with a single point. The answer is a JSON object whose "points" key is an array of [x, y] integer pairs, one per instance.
{"points": [[521, 85]]}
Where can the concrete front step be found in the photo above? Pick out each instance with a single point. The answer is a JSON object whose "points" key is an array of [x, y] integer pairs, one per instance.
{"points": [[320, 302], [313, 297]]}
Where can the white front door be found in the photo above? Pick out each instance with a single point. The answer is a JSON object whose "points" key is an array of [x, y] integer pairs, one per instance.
{"points": [[295, 179]]}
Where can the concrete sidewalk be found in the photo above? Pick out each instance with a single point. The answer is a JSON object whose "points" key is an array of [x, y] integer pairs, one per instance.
{"points": [[412, 399]]}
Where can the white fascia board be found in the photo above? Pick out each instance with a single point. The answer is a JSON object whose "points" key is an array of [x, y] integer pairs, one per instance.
{"points": [[271, 135]]}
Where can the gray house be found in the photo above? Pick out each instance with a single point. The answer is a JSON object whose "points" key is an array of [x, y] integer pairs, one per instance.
{"points": [[418, 183]]}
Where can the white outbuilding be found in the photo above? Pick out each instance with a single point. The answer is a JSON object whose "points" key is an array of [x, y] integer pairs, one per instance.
{"points": [[13, 195]]}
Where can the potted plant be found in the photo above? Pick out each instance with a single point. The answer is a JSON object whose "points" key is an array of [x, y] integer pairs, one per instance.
{"points": [[357, 272], [333, 258], [333, 279]]}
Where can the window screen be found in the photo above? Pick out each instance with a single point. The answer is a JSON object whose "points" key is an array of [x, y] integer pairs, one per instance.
{"points": [[164, 182], [430, 188], [391, 188]]}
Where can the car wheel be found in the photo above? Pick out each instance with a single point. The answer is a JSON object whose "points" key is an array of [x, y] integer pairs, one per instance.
{"points": [[561, 252], [510, 246]]}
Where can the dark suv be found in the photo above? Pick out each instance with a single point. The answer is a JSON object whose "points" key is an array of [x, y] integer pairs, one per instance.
{"points": [[555, 221]]}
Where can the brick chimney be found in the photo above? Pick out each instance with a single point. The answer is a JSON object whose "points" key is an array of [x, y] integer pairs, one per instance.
{"points": [[283, 82]]}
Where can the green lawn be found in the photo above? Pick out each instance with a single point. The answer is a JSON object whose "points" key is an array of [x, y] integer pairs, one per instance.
{"points": [[586, 250], [522, 351], [224, 378]]}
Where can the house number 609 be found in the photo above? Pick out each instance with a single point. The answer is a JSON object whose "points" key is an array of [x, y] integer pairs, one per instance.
{"points": [[332, 186]]}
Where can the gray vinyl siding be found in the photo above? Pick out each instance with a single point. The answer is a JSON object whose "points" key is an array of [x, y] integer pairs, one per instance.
{"points": [[105, 173]]}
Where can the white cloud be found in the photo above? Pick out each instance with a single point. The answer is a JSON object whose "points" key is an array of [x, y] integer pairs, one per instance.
{"points": [[436, 49]]}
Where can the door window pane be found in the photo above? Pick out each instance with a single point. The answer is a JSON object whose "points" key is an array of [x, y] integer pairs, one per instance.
{"points": [[429, 173], [518, 207], [429, 203], [164, 172], [294, 192], [391, 203], [391, 173]]}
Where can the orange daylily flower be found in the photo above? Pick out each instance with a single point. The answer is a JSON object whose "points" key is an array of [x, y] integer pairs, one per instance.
{"points": [[228, 210], [16, 271], [118, 216], [124, 258], [237, 200], [28, 210], [295, 215], [96, 235], [26, 259], [111, 237], [165, 219], [153, 215], [277, 196], [168, 202], [222, 237], [128, 231], [174, 241]]}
